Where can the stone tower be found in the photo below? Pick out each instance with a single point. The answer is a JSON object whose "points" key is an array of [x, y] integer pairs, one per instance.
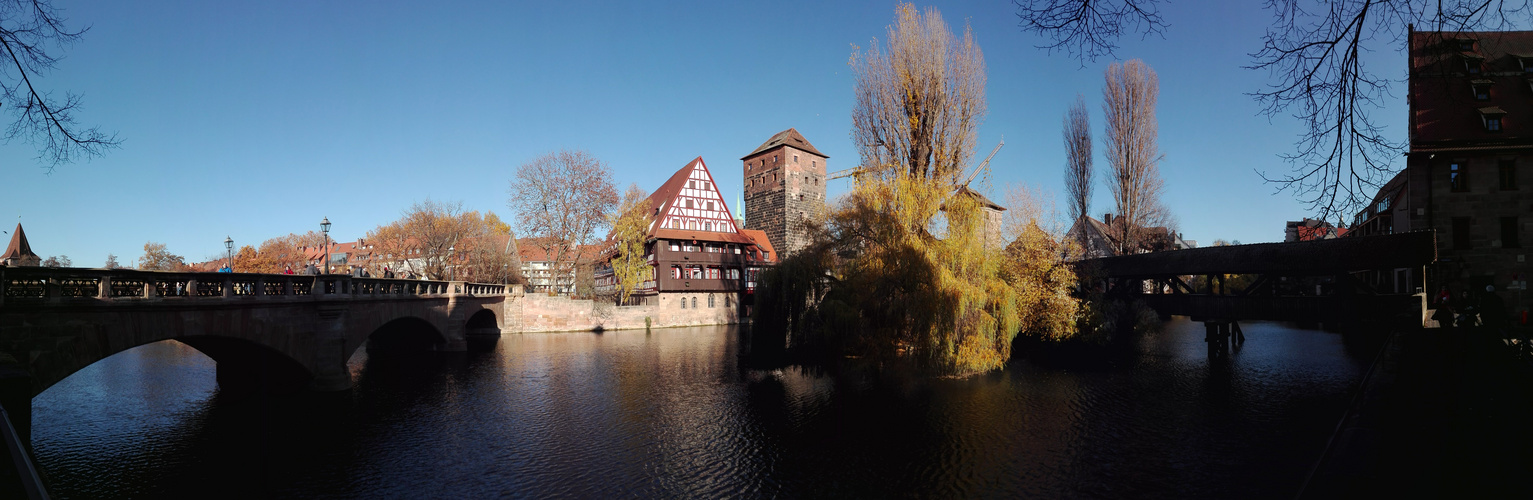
{"points": [[784, 187]]}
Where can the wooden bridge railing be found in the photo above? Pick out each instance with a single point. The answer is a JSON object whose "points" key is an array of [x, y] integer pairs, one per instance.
{"points": [[40, 285]]}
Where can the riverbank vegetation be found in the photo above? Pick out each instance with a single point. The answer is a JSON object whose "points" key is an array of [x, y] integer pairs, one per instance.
{"points": [[912, 263]]}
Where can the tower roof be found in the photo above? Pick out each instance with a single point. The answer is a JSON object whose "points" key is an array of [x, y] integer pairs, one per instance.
{"points": [[983, 201], [789, 137], [19, 247]]}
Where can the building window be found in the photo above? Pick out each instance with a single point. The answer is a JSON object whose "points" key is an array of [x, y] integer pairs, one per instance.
{"points": [[675, 247], [710, 301], [688, 248], [1458, 177], [676, 272], [694, 302], [1460, 233], [683, 302], [1472, 65], [1509, 233], [1465, 45], [1481, 90], [695, 272], [727, 301], [713, 273], [1493, 124], [1507, 173]]}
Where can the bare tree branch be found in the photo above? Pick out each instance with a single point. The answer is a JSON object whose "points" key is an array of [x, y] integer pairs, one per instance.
{"points": [[918, 105], [1132, 154], [1078, 175], [28, 29], [1315, 54], [1089, 29]]}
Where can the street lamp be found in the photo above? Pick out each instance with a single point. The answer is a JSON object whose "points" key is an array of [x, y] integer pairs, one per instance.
{"points": [[324, 227], [229, 245], [449, 263]]}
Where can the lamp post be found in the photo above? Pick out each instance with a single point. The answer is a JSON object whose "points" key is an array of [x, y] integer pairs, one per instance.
{"points": [[324, 227], [229, 246], [449, 263]]}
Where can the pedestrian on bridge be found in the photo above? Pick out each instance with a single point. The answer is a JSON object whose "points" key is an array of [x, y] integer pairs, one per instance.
{"points": [[1444, 305]]}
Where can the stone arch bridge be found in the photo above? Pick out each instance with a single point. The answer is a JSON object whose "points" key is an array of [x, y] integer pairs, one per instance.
{"points": [[270, 331]]}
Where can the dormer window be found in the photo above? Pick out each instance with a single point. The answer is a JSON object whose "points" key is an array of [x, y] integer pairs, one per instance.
{"points": [[1481, 89], [1473, 63], [1465, 44], [1491, 117], [1526, 60]]}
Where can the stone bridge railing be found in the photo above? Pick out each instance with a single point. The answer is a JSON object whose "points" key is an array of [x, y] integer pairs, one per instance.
{"points": [[46, 286]]}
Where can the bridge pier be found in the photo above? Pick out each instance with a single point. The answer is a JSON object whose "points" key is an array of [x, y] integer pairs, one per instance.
{"points": [[330, 353], [1221, 334]]}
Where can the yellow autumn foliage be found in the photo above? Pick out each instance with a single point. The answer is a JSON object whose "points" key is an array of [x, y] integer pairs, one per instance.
{"points": [[905, 267]]}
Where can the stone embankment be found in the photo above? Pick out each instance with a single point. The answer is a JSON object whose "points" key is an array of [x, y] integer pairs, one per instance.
{"points": [[540, 312], [1443, 413]]}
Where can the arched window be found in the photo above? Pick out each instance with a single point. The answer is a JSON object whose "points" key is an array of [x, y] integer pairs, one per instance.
{"points": [[683, 302], [710, 300], [694, 302]]}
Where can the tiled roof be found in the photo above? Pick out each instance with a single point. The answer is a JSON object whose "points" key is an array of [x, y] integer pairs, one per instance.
{"points": [[1444, 110], [759, 237], [983, 201], [789, 137], [19, 247]]}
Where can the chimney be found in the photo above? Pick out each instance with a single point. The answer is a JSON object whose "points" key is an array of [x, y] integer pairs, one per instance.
{"points": [[1107, 219]]}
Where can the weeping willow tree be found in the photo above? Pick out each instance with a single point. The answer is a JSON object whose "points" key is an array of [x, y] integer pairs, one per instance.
{"points": [[906, 265]]}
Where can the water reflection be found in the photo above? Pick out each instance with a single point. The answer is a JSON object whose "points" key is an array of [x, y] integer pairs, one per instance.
{"points": [[673, 413]]}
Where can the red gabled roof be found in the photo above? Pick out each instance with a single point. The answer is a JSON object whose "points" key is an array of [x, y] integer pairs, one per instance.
{"points": [[759, 237], [662, 199], [789, 137], [19, 247]]}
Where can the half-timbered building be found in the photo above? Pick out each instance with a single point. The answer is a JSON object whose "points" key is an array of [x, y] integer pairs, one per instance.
{"points": [[698, 255]]}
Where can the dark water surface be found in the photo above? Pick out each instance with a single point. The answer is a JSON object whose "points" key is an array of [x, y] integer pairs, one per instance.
{"points": [[672, 413]]}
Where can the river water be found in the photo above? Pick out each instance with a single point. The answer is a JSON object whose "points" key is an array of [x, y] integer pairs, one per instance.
{"points": [[673, 413]]}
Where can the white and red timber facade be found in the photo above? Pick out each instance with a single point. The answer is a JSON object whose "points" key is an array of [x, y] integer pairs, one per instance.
{"points": [[698, 255]]}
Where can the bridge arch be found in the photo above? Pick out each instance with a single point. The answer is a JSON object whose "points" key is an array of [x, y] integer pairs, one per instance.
{"points": [[245, 365], [406, 334]]}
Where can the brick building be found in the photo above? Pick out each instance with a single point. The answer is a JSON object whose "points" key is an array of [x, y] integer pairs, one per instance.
{"points": [[1471, 147], [784, 187], [1311, 230], [699, 257]]}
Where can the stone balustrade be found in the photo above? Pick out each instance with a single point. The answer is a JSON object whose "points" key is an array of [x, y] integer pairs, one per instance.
{"points": [[21, 286]]}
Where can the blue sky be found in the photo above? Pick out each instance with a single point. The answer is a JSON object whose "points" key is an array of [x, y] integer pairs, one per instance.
{"points": [[256, 119]]}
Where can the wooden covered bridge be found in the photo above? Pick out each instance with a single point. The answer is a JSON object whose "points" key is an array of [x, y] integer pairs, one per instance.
{"points": [[1324, 281]]}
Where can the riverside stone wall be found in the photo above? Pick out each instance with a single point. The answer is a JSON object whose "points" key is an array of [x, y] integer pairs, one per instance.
{"points": [[538, 312]]}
